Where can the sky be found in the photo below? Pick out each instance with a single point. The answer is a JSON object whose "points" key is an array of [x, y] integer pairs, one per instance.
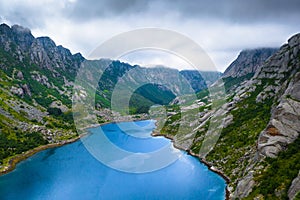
{"points": [[221, 28]]}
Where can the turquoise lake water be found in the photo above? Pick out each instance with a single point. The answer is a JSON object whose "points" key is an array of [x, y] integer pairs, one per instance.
{"points": [[71, 172]]}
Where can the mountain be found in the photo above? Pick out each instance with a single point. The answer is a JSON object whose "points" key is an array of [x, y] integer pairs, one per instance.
{"points": [[277, 146], [248, 62], [257, 141], [36, 87], [245, 65], [200, 80], [37, 78]]}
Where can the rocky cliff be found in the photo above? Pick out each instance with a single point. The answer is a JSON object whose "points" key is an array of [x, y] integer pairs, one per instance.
{"points": [[279, 80], [36, 78]]}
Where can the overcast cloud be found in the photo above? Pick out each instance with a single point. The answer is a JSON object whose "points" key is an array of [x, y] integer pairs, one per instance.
{"points": [[221, 28]]}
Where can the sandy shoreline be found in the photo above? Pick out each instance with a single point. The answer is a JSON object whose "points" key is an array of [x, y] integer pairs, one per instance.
{"points": [[18, 158]]}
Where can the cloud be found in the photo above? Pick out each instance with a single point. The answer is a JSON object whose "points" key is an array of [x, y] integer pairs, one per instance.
{"points": [[31, 13], [222, 28], [239, 11], [154, 58], [229, 10], [91, 9]]}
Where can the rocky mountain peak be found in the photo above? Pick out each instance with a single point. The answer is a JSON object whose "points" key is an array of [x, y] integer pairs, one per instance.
{"points": [[20, 29], [4, 29], [46, 42], [294, 40], [22, 36], [248, 61]]}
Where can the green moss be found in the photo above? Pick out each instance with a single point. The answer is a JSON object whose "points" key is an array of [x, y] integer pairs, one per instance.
{"points": [[297, 196]]}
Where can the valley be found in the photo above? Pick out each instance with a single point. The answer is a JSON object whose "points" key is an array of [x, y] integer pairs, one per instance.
{"points": [[250, 135]]}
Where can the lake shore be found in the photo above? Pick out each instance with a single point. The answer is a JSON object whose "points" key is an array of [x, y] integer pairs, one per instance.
{"points": [[20, 157], [13, 161]]}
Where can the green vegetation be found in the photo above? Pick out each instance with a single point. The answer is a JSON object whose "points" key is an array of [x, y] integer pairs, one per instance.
{"points": [[13, 142], [147, 95], [279, 174], [297, 196], [40, 84], [230, 82], [203, 95], [248, 121], [172, 125]]}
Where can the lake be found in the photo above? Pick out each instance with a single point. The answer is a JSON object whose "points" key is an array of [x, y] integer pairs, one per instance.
{"points": [[71, 172]]}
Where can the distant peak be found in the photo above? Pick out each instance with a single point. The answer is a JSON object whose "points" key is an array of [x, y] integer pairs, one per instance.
{"points": [[15, 29], [249, 61], [3, 25]]}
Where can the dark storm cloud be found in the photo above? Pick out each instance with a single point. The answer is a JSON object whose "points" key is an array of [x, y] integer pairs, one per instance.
{"points": [[228, 10], [232, 11], [240, 11], [90, 9]]}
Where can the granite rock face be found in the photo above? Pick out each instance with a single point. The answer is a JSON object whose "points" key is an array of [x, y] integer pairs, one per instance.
{"points": [[280, 78], [284, 125]]}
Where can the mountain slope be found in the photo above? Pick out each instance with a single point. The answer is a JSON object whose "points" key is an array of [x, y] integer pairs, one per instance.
{"points": [[258, 148], [35, 75], [264, 123]]}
